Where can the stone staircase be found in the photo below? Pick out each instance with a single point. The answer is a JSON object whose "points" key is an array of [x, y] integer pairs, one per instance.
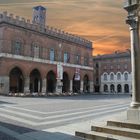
{"points": [[113, 130]]}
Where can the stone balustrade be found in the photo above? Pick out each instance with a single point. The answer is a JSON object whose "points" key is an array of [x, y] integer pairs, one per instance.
{"points": [[51, 31]]}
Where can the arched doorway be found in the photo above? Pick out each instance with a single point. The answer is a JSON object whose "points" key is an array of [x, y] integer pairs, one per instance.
{"points": [[126, 88], [112, 88], [35, 81], [105, 88], [51, 82], [86, 84], [16, 80], [66, 82], [76, 83], [119, 88]]}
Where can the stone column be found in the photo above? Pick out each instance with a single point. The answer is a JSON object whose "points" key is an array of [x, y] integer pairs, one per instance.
{"points": [[59, 86], [116, 88], [71, 85], [81, 86], [123, 90], [135, 55], [27, 85], [133, 21], [44, 85], [39, 86], [4, 85], [91, 87]]}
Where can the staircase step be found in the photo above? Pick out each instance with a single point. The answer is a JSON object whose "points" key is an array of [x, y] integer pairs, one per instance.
{"points": [[126, 124], [133, 133], [101, 136]]}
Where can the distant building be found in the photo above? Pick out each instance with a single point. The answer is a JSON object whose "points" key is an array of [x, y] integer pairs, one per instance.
{"points": [[112, 73], [35, 58]]}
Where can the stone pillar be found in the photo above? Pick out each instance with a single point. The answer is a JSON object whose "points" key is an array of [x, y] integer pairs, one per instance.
{"points": [[59, 85], [102, 88], [91, 87], [132, 8], [71, 85], [116, 87], [27, 85], [44, 85], [123, 90], [4, 85], [135, 55], [81, 86]]}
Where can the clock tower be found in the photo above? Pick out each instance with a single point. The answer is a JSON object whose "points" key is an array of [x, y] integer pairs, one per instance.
{"points": [[39, 15]]}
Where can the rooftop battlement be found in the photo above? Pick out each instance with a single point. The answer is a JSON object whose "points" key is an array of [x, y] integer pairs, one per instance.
{"points": [[51, 31]]}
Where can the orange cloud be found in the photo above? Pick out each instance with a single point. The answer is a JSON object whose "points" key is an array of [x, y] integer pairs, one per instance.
{"points": [[101, 21]]}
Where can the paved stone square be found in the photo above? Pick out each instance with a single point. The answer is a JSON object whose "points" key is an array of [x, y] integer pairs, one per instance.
{"points": [[56, 117]]}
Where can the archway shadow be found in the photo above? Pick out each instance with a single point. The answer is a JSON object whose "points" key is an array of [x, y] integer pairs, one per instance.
{"points": [[10, 131]]}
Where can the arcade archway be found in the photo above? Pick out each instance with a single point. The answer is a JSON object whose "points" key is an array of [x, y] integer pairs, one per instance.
{"points": [[105, 88], [86, 84], [126, 88], [35, 81], [16, 80], [76, 83], [51, 82], [112, 88], [66, 83], [119, 88]]}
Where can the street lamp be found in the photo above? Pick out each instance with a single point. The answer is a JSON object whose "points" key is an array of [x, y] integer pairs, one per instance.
{"points": [[132, 7]]}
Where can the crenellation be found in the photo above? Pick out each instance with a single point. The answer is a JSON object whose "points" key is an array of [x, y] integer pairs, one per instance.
{"points": [[17, 18], [5, 13], [11, 15], [20, 21]]}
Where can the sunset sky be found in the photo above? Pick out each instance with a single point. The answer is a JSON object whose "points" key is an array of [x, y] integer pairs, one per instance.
{"points": [[101, 21]]}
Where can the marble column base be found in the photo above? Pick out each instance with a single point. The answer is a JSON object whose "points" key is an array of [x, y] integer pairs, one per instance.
{"points": [[133, 114]]}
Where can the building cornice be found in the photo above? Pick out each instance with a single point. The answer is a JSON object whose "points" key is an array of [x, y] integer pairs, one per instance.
{"points": [[44, 61]]}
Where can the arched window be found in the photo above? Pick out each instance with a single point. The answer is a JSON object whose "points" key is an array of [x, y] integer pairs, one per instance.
{"points": [[111, 76], [17, 47], [52, 54], [105, 77], [125, 76], [119, 76], [35, 51]]}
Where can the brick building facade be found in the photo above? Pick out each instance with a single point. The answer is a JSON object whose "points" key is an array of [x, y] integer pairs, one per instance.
{"points": [[113, 73], [31, 53]]}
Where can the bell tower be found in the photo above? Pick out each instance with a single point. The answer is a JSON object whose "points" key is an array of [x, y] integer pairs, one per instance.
{"points": [[39, 15]]}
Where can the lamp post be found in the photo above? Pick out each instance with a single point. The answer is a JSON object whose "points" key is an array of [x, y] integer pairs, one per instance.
{"points": [[132, 7]]}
